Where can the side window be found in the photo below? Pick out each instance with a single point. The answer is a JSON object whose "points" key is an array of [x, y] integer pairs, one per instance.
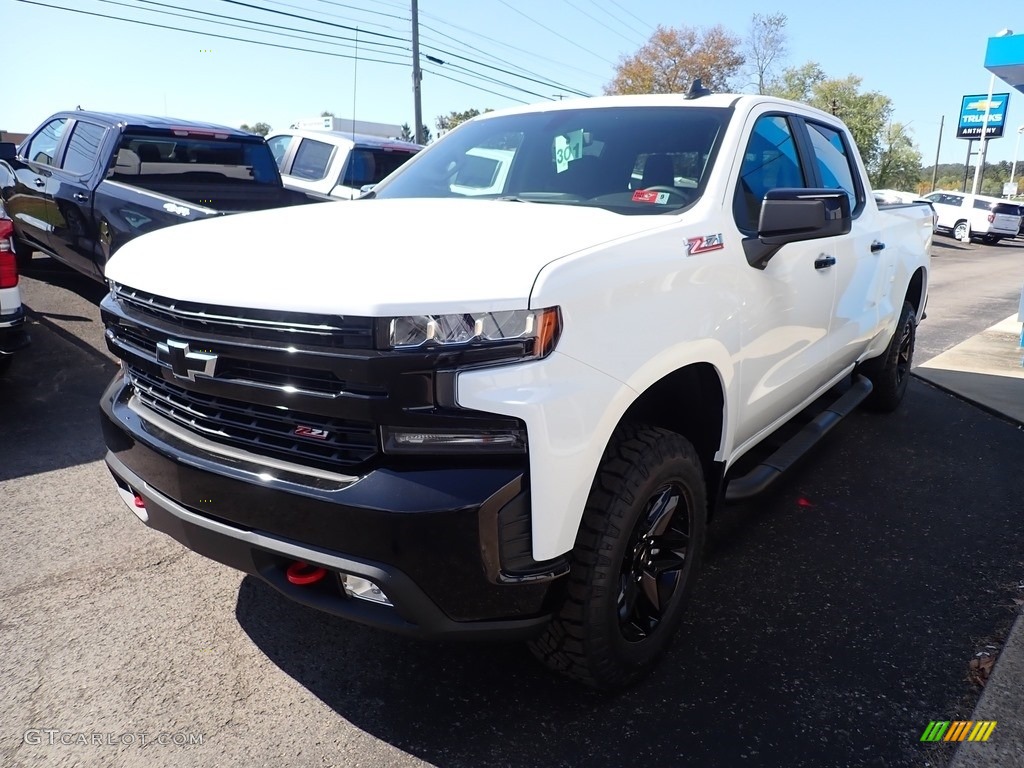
{"points": [[834, 162], [279, 148], [83, 148], [954, 200], [44, 145], [312, 159], [770, 161], [982, 205]]}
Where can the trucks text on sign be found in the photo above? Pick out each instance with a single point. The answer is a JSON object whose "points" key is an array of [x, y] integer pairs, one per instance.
{"points": [[972, 115]]}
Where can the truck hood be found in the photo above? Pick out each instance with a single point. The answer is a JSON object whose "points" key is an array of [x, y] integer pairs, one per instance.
{"points": [[371, 257]]}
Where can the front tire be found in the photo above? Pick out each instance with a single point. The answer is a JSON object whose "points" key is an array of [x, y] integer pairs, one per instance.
{"points": [[636, 557], [890, 372], [962, 231]]}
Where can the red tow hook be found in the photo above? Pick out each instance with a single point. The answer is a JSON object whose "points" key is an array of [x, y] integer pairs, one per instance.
{"points": [[139, 502], [304, 574]]}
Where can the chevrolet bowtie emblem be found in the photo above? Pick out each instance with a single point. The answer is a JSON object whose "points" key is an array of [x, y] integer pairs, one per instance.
{"points": [[183, 362]]}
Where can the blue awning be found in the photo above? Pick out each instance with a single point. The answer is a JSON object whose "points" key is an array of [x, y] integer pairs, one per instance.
{"points": [[1004, 58]]}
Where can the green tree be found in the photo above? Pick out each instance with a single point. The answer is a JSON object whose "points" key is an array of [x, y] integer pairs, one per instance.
{"points": [[326, 113], [764, 48], [674, 57], [899, 162], [259, 128], [406, 134], [866, 114], [454, 119]]}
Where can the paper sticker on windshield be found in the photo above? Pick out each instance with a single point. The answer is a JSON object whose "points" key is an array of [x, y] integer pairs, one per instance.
{"points": [[567, 149], [695, 245], [643, 196]]}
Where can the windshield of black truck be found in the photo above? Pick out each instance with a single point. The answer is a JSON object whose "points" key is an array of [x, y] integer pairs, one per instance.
{"points": [[627, 159], [188, 159]]}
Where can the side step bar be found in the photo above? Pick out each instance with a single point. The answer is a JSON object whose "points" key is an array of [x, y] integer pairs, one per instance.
{"points": [[758, 479]]}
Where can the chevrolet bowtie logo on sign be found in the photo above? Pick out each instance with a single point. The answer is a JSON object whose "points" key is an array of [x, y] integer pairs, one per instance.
{"points": [[185, 363], [958, 730]]}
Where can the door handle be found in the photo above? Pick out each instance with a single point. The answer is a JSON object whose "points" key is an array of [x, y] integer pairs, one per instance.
{"points": [[877, 247], [80, 197], [40, 183], [824, 262]]}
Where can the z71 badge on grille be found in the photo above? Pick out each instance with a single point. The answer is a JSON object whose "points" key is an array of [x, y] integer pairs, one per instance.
{"points": [[318, 434]]}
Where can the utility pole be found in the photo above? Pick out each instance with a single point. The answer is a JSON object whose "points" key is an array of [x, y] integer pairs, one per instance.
{"points": [[417, 75], [935, 168]]}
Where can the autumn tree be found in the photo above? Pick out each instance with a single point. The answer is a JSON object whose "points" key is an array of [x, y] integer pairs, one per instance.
{"points": [[261, 129], [674, 57], [765, 48], [899, 162]]}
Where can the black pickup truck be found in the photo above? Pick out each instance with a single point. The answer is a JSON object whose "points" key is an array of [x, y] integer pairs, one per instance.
{"points": [[84, 183]]}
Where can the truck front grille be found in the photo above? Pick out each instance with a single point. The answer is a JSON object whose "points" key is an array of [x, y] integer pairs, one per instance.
{"points": [[300, 328], [326, 442]]}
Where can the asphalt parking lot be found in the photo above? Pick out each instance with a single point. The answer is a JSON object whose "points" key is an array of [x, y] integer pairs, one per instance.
{"points": [[835, 618]]}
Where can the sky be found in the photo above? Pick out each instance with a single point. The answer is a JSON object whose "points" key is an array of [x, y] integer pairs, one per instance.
{"points": [[924, 55]]}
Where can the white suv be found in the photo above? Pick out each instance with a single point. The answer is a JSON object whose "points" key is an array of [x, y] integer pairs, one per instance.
{"points": [[975, 216]]}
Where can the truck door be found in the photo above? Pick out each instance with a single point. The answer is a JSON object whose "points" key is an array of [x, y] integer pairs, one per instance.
{"points": [[30, 207], [784, 350], [74, 238], [862, 267]]}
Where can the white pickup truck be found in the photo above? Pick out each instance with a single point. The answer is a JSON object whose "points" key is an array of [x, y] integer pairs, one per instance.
{"points": [[513, 414], [334, 163]]}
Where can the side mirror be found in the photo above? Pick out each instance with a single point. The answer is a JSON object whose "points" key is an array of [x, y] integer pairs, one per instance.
{"points": [[790, 215], [8, 150]]}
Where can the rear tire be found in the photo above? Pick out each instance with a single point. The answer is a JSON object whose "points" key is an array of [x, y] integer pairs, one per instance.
{"points": [[23, 255], [636, 557], [962, 230], [889, 373]]}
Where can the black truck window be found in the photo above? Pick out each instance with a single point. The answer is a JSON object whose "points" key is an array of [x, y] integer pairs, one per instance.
{"points": [[83, 148], [167, 157], [44, 144]]}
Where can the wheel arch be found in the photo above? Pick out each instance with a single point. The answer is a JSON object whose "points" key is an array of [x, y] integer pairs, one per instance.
{"points": [[917, 291]]}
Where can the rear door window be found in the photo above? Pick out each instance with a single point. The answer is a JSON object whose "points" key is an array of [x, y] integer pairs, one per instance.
{"points": [[83, 148], [371, 165], [835, 164], [312, 160]]}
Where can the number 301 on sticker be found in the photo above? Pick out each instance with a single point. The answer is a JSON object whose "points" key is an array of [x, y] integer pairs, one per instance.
{"points": [[645, 196]]}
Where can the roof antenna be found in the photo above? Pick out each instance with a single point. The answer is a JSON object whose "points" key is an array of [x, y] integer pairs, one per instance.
{"points": [[697, 90]]}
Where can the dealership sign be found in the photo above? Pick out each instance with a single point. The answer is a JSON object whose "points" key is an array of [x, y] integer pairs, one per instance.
{"points": [[972, 115]]}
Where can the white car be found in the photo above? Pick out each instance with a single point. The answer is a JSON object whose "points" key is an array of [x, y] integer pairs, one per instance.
{"points": [[968, 216], [335, 163]]}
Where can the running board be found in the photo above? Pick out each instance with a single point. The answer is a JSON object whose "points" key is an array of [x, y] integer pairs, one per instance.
{"points": [[767, 472]]}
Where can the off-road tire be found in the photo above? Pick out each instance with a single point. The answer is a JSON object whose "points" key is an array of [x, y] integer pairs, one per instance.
{"points": [[587, 639], [889, 373]]}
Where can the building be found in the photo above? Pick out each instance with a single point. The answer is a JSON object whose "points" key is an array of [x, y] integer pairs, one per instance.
{"points": [[345, 124]]}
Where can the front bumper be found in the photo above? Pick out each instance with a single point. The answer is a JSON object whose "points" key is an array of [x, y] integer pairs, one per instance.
{"points": [[431, 539], [13, 333]]}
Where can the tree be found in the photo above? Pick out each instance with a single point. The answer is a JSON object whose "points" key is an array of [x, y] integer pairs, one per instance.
{"points": [[674, 57], [407, 134], [765, 47], [326, 113], [454, 119], [865, 114], [899, 162], [259, 128]]}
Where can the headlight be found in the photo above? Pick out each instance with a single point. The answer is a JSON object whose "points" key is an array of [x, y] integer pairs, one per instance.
{"points": [[539, 328]]}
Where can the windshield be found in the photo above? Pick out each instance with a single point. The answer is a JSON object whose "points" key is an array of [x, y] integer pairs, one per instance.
{"points": [[626, 159]]}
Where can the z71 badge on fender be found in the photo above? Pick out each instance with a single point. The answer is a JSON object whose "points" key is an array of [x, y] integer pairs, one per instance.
{"points": [[704, 244]]}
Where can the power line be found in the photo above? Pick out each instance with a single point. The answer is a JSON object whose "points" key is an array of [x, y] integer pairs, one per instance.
{"points": [[504, 44], [598, 21], [630, 13], [471, 85], [251, 29], [549, 29], [307, 18], [471, 73], [513, 74], [209, 34], [625, 23]]}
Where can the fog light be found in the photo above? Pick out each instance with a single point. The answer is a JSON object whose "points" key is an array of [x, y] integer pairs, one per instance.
{"points": [[397, 440], [363, 589]]}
